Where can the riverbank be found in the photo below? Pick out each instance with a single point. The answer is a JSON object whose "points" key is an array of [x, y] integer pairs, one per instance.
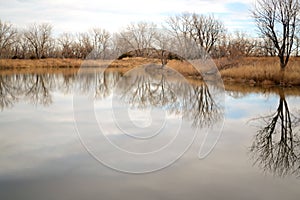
{"points": [[248, 71], [262, 71]]}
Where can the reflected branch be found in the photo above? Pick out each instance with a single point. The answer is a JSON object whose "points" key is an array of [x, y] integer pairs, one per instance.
{"points": [[276, 147], [8, 95], [153, 86], [201, 107], [39, 90]]}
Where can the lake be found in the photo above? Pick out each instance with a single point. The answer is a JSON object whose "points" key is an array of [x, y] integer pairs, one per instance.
{"points": [[145, 135]]}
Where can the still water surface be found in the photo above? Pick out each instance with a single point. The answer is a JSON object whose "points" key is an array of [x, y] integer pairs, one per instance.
{"points": [[41, 156]]}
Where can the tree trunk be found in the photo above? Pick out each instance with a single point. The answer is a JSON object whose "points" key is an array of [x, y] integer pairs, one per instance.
{"points": [[282, 69], [282, 74]]}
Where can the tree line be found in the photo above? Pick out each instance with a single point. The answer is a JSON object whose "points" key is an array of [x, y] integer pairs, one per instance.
{"points": [[37, 40]]}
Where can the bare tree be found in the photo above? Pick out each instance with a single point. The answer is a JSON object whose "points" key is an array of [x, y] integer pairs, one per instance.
{"points": [[163, 43], [241, 44], [179, 27], [138, 37], [83, 45], [204, 30], [267, 47], [39, 37], [7, 37], [21, 47], [66, 41], [100, 39], [277, 20]]}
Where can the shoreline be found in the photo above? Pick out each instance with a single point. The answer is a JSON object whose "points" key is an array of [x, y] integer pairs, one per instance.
{"points": [[252, 71]]}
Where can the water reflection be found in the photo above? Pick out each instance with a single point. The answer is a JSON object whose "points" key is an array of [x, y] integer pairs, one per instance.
{"points": [[276, 146], [151, 86], [7, 92], [38, 87], [35, 88]]}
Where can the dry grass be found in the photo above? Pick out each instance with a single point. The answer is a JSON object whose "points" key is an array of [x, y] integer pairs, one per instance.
{"points": [[64, 71], [124, 65], [262, 71], [41, 63], [251, 71]]}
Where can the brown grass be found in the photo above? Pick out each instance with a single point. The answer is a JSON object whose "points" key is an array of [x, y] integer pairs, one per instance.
{"points": [[39, 63], [249, 71], [262, 71]]}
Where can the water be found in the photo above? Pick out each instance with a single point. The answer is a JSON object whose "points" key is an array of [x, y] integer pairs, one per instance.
{"points": [[42, 156]]}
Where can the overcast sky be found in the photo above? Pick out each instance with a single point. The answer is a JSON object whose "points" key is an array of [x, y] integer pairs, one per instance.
{"points": [[113, 15]]}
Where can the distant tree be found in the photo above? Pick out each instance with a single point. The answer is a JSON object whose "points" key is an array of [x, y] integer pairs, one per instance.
{"points": [[83, 45], [7, 37], [163, 44], [21, 47], [204, 30], [222, 46], [100, 39], [179, 27], [66, 42], [138, 37], [277, 20], [242, 44], [39, 37]]}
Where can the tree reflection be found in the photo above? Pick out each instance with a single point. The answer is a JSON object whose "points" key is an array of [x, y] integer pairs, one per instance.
{"points": [[7, 92], [38, 90], [105, 83], [149, 86], [154, 86], [201, 107], [276, 147]]}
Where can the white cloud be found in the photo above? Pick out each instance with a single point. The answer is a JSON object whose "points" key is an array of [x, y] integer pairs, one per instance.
{"points": [[76, 15]]}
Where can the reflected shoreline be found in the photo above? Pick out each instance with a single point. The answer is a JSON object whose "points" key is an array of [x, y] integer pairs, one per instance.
{"points": [[21, 84]]}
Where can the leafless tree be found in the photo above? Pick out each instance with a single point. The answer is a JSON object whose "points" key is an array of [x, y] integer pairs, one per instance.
{"points": [[101, 39], [222, 47], [267, 47], [277, 20], [138, 37], [179, 27], [204, 30], [83, 45], [39, 37], [66, 41], [163, 44], [242, 44], [7, 37]]}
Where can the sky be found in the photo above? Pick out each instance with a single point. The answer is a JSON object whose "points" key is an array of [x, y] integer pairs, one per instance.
{"points": [[114, 15]]}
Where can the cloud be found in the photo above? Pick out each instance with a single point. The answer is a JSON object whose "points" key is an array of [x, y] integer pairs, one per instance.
{"points": [[77, 16]]}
